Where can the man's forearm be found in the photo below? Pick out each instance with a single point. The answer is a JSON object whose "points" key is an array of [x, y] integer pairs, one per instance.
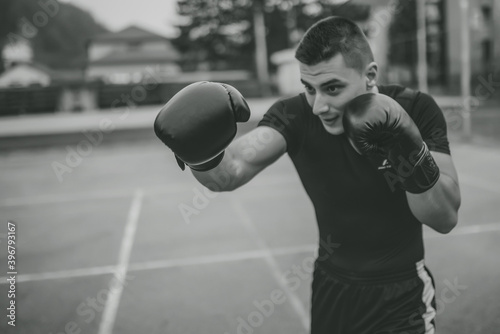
{"points": [[438, 206], [243, 159], [226, 176]]}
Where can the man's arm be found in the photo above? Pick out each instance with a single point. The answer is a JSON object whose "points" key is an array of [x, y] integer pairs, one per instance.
{"points": [[243, 159], [430, 179], [438, 206]]}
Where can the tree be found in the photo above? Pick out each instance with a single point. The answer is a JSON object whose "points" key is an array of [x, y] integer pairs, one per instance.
{"points": [[218, 34], [58, 32], [403, 35], [62, 43], [12, 11]]}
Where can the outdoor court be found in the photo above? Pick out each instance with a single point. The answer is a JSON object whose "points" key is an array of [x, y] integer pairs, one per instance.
{"points": [[108, 249]]}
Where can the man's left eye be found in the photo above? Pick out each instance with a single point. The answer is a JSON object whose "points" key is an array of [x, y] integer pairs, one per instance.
{"points": [[332, 89]]}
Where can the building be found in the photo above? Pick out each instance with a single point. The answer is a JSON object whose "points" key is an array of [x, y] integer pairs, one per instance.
{"points": [[25, 75], [444, 28], [127, 56], [20, 51], [484, 26], [29, 87], [20, 71]]}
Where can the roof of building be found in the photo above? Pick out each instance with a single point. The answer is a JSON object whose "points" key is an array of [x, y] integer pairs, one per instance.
{"points": [[60, 75], [57, 75], [138, 56], [130, 33]]}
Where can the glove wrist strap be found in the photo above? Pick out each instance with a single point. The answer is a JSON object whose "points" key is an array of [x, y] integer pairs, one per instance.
{"points": [[424, 173], [211, 164]]}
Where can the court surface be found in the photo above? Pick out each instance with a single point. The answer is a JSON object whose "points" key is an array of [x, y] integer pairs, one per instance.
{"points": [[125, 242]]}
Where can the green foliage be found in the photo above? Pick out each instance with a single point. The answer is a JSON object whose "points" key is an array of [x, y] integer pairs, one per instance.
{"points": [[63, 42], [403, 35], [219, 33], [11, 12], [58, 43]]}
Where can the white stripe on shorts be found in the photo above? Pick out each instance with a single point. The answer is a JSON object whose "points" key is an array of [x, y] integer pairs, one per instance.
{"points": [[427, 296]]}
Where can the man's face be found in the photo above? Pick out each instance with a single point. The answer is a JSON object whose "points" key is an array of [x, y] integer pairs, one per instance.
{"points": [[329, 86]]}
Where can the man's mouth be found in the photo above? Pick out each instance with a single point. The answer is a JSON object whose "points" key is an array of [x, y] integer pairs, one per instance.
{"points": [[330, 120]]}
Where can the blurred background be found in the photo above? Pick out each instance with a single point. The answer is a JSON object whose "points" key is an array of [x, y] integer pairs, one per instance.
{"points": [[79, 56], [112, 237]]}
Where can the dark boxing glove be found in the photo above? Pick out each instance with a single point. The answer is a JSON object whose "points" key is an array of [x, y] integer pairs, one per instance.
{"points": [[377, 125], [199, 122]]}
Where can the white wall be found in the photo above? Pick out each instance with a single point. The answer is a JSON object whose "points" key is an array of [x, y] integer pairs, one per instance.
{"points": [[98, 50], [479, 30], [24, 75], [133, 73]]}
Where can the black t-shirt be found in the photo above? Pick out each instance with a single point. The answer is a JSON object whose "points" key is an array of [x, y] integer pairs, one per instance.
{"points": [[358, 207]]}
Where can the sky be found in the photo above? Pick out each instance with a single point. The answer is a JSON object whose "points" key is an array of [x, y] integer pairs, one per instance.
{"points": [[155, 15]]}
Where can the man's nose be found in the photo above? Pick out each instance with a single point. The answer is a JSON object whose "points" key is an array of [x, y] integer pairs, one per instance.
{"points": [[320, 105]]}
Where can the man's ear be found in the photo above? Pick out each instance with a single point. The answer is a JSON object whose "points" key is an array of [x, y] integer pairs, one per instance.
{"points": [[371, 74]]}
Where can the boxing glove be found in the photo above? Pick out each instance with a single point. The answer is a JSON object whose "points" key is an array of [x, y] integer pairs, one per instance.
{"points": [[375, 124], [199, 122]]}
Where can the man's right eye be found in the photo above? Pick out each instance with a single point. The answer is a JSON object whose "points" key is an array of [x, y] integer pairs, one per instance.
{"points": [[309, 89]]}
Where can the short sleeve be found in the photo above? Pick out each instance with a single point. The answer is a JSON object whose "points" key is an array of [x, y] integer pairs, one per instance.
{"points": [[284, 117], [431, 122]]}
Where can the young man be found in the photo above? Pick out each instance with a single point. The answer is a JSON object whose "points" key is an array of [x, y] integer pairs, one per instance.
{"points": [[372, 188]]}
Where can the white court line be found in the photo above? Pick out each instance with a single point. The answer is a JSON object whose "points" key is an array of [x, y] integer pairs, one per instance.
{"points": [[221, 258], [466, 230], [295, 249], [83, 272], [473, 229], [115, 292], [119, 193], [184, 187], [477, 182], [294, 300], [62, 198], [86, 196], [162, 264]]}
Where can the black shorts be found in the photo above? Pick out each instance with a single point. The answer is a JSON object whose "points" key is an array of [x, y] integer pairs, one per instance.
{"points": [[401, 303]]}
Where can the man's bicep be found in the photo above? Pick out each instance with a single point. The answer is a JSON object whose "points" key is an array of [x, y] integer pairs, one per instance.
{"points": [[258, 149]]}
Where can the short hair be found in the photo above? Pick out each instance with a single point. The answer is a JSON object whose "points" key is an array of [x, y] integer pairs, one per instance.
{"points": [[333, 35]]}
